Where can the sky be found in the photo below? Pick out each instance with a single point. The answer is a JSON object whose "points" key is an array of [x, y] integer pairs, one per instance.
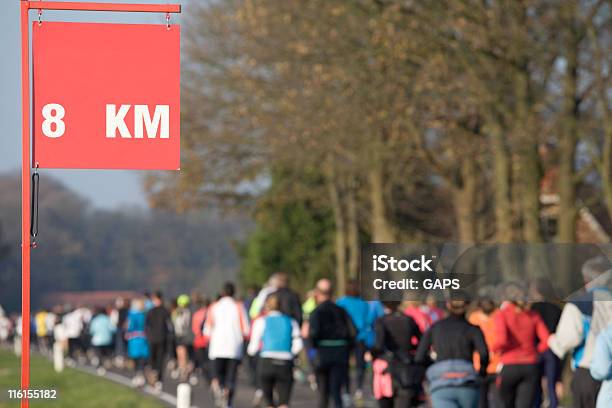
{"points": [[103, 188]]}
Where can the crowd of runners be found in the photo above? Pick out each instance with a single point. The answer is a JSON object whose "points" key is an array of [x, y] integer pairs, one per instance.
{"points": [[507, 351]]}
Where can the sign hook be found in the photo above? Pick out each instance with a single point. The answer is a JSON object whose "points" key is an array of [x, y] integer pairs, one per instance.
{"points": [[40, 16], [34, 205], [168, 21]]}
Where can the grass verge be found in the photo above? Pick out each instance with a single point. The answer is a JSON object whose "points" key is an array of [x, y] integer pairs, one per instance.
{"points": [[74, 388]]}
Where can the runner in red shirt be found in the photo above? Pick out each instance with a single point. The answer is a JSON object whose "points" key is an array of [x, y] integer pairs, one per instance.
{"points": [[200, 343], [518, 330]]}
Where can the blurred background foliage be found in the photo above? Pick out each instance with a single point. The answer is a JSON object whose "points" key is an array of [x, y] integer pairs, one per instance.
{"points": [[84, 248]]}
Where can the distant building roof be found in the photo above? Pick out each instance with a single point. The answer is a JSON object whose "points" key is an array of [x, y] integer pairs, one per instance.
{"points": [[87, 298]]}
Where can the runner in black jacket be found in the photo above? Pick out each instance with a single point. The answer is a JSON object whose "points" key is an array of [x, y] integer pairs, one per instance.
{"points": [[332, 334], [158, 328], [452, 379], [396, 339]]}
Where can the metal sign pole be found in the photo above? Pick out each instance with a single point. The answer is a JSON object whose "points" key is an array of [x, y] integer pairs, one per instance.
{"points": [[25, 153], [25, 201]]}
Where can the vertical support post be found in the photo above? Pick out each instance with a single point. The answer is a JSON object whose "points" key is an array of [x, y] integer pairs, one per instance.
{"points": [[183, 395], [25, 201], [58, 357]]}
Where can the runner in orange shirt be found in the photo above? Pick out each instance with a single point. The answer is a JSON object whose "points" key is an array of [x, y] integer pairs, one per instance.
{"points": [[483, 317]]}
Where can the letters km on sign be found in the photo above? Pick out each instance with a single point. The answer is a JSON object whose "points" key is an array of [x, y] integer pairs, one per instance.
{"points": [[106, 96]]}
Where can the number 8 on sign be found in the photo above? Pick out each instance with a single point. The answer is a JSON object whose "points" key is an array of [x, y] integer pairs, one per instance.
{"points": [[53, 113]]}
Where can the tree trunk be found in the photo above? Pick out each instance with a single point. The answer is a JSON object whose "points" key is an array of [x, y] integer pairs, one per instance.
{"points": [[352, 230], [528, 162], [382, 231], [605, 164], [606, 167], [465, 201], [339, 232], [530, 200], [501, 188], [566, 184]]}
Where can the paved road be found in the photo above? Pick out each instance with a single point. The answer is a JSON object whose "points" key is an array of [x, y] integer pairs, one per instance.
{"points": [[302, 396]]}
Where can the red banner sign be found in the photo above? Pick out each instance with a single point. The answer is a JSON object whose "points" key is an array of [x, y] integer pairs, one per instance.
{"points": [[106, 96]]}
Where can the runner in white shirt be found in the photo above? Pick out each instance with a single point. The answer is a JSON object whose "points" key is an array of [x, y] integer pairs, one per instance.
{"points": [[227, 327], [5, 326], [74, 322]]}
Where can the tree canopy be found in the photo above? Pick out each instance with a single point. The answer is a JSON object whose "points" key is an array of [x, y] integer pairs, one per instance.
{"points": [[423, 120]]}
